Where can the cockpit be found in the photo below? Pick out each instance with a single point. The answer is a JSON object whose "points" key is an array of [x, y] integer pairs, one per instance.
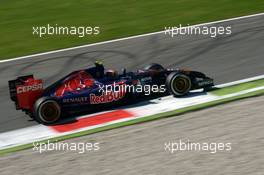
{"points": [[77, 81]]}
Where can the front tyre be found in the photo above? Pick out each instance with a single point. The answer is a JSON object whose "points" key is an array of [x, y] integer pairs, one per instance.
{"points": [[178, 84], [47, 110]]}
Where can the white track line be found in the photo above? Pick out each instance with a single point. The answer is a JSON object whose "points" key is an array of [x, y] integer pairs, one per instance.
{"points": [[122, 39], [240, 81]]}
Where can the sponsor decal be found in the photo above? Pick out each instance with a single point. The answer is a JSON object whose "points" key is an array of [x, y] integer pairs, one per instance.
{"points": [[146, 79], [76, 100], [34, 87], [204, 83], [107, 97]]}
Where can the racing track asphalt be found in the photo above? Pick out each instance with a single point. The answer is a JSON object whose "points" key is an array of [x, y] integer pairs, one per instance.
{"points": [[140, 149], [225, 58]]}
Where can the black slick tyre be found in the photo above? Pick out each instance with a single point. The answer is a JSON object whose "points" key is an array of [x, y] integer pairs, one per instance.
{"points": [[178, 84], [47, 110]]}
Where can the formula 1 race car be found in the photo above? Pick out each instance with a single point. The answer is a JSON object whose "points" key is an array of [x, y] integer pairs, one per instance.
{"points": [[85, 89]]}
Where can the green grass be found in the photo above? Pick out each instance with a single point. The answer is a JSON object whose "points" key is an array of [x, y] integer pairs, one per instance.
{"points": [[139, 120], [239, 87], [117, 18]]}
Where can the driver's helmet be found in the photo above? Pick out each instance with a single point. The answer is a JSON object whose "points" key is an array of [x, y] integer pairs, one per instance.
{"points": [[111, 73], [99, 69]]}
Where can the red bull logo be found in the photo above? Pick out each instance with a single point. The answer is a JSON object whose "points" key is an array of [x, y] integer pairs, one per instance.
{"points": [[107, 97]]}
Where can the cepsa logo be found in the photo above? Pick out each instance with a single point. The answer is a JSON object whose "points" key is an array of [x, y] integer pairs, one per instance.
{"points": [[34, 87], [107, 97]]}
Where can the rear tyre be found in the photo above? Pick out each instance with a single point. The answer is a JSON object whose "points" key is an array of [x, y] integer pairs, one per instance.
{"points": [[47, 110], [178, 84]]}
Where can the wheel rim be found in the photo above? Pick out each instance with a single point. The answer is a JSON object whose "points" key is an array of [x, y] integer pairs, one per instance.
{"points": [[49, 111], [180, 85]]}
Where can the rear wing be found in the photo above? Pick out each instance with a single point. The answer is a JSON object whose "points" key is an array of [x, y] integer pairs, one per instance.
{"points": [[24, 91]]}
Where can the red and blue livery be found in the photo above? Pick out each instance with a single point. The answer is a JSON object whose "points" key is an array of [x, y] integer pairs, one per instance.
{"points": [[94, 87]]}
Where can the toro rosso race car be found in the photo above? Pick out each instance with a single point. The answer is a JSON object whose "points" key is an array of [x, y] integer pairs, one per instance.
{"points": [[86, 89]]}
